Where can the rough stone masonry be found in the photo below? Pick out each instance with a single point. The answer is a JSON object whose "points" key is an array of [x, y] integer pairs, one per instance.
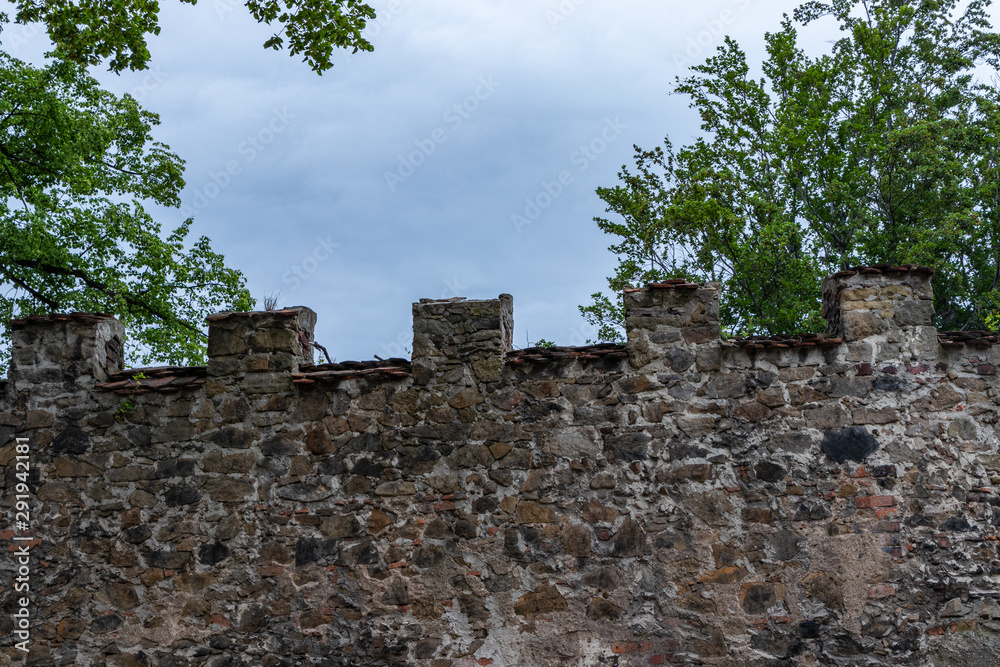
{"points": [[677, 500]]}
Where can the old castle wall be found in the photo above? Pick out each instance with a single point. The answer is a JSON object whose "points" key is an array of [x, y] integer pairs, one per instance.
{"points": [[677, 500]]}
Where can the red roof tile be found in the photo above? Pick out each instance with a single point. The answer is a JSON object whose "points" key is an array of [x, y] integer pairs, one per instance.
{"points": [[975, 338], [376, 369], [783, 340], [155, 379], [284, 312], [878, 269], [546, 355]]}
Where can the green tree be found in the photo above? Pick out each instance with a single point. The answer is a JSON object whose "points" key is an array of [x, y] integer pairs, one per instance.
{"points": [[77, 163], [93, 31], [883, 150]]}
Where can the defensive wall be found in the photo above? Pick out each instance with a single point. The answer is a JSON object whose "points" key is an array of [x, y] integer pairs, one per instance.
{"points": [[677, 500]]}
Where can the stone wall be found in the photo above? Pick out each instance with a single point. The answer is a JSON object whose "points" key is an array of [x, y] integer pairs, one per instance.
{"points": [[681, 499]]}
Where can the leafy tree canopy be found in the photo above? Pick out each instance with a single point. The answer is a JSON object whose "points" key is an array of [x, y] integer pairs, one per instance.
{"points": [[74, 160], [884, 149], [92, 31], [77, 163]]}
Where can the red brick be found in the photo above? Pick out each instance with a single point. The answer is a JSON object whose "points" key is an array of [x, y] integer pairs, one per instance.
{"points": [[881, 591], [875, 501], [886, 526]]}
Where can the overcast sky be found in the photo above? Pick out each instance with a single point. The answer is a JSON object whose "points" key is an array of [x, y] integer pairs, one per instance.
{"points": [[458, 159]]}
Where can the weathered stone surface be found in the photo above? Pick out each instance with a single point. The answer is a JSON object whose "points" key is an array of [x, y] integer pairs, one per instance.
{"points": [[768, 471], [396, 488], [797, 443], [725, 575], [466, 398], [600, 609], [71, 441], [231, 463], [752, 411], [306, 492], [711, 508], [229, 490], [630, 540], [212, 553], [963, 428], [603, 578], [849, 444], [344, 526], [576, 442], [397, 593], [543, 600], [531, 512], [181, 494], [576, 540], [785, 544], [758, 598], [310, 550], [826, 589], [813, 504], [826, 417], [170, 560], [472, 456]]}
